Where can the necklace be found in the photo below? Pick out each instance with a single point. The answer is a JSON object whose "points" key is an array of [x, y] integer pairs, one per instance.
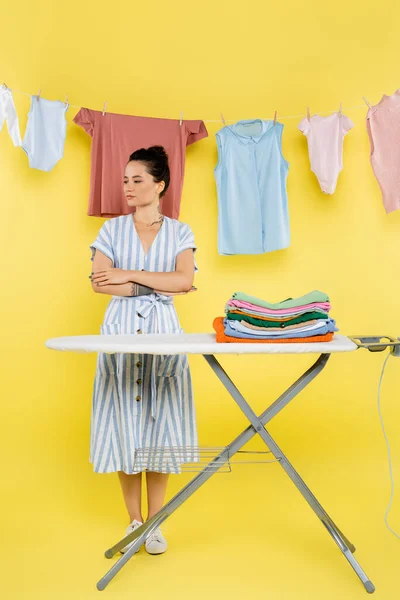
{"points": [[160, 220]]}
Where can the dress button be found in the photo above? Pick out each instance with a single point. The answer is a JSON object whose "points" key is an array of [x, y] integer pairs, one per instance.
{"points": [[139, 364], [282, 325], [138, 331], [139, 381], [137, 398]]}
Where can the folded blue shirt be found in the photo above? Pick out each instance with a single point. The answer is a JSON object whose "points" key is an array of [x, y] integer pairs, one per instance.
{"points": [[236, 329]]}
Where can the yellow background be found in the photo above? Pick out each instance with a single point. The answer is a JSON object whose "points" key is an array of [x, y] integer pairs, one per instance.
{"points": [[249, 533]]}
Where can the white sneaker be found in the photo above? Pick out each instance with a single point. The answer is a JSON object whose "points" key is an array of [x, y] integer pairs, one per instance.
{"points": [[134, 525], [156, 542]]}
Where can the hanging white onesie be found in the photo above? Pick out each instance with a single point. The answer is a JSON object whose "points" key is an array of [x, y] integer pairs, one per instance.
{"points": [[325, 146], [9, 114]]}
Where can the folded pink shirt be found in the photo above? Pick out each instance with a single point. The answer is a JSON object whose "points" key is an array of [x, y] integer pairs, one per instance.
{"points": [[324, 306]]}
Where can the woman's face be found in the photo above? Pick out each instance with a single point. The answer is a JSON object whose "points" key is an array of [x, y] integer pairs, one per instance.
{"points": [[140, 189]]}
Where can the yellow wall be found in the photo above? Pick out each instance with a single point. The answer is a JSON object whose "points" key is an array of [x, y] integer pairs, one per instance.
{"points": [[249, 533]]}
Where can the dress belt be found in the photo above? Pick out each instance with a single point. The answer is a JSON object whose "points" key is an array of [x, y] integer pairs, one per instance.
{"points": [[144, 309]]}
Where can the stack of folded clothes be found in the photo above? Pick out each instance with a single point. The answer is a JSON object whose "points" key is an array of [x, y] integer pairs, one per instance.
{"points": [[294, 320]]}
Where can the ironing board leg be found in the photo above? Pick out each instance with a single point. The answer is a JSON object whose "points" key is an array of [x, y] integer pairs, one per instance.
{"points": [[259, 425], [142, 532]]}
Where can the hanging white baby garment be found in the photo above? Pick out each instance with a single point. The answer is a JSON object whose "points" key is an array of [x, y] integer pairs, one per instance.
{"points": [[9, 114]]}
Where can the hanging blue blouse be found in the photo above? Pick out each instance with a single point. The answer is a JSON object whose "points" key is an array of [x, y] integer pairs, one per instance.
{"points": [[251, 174]]}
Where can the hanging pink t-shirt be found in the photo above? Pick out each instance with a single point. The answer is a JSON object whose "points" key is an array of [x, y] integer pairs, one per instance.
{"points": [[383, 127], [114, 138]]}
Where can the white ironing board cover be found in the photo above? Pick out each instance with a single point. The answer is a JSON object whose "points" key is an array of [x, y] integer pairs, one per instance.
{"points": [[190, 343]]}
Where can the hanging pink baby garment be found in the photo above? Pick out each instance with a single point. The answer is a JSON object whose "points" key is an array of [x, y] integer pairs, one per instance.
{"points": [[325, 146], [383, 127]]}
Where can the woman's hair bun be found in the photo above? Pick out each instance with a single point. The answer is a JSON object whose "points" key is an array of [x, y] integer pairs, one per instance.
{"points": [[158, 151]]}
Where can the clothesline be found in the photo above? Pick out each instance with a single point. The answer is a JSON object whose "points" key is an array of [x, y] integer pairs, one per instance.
{"points": [[230, 120]]}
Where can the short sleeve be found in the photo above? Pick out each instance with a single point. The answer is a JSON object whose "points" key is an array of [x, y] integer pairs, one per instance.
{"points": [[196, 130], [347, 124], [103, 242], [304, 125], [84, 118], [186, 241]]}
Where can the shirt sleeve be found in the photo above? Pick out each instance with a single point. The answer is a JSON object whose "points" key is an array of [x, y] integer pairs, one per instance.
{"points": [[84, 118], [103, 242], [196, 130], [186, 240], [347, 124], [12, 119], [304, 125]]}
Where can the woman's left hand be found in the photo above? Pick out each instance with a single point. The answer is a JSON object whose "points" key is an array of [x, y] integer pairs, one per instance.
{"points": [[192, 289], [110, 276]]}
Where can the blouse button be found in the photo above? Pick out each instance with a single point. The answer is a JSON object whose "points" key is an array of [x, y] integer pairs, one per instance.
{"points": [[138, 331], [137, 398], [139, 364], [139, 381]]}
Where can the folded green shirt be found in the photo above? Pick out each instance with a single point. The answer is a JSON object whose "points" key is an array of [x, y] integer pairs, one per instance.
{"points": [[263, 323], [314, 296]]}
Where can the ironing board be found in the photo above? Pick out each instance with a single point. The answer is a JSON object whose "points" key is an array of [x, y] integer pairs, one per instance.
{"points": [[205, 344]]}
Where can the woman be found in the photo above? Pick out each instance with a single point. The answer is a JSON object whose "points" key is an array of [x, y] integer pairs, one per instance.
{"points": [[143, 414]]}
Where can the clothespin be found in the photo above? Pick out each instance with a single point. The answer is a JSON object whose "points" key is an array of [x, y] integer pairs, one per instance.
{"points": [[66, 100], [366, 102], [181, 119], [340, 110], [308, 113], [275, 116], [222, 119], [104, 109], [38, 95]]}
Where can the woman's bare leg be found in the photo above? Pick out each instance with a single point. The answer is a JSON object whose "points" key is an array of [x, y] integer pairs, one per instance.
{"points": [[156, 488], [132, 490]]}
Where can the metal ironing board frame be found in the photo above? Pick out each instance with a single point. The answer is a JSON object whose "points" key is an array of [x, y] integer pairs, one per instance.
{"points": [[256, 426]]}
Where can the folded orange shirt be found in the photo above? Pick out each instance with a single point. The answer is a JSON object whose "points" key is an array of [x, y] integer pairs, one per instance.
{"points": [[218, 325]]}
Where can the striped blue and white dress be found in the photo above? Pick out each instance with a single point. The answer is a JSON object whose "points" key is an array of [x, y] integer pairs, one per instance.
{"points": [[143, 413]]}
